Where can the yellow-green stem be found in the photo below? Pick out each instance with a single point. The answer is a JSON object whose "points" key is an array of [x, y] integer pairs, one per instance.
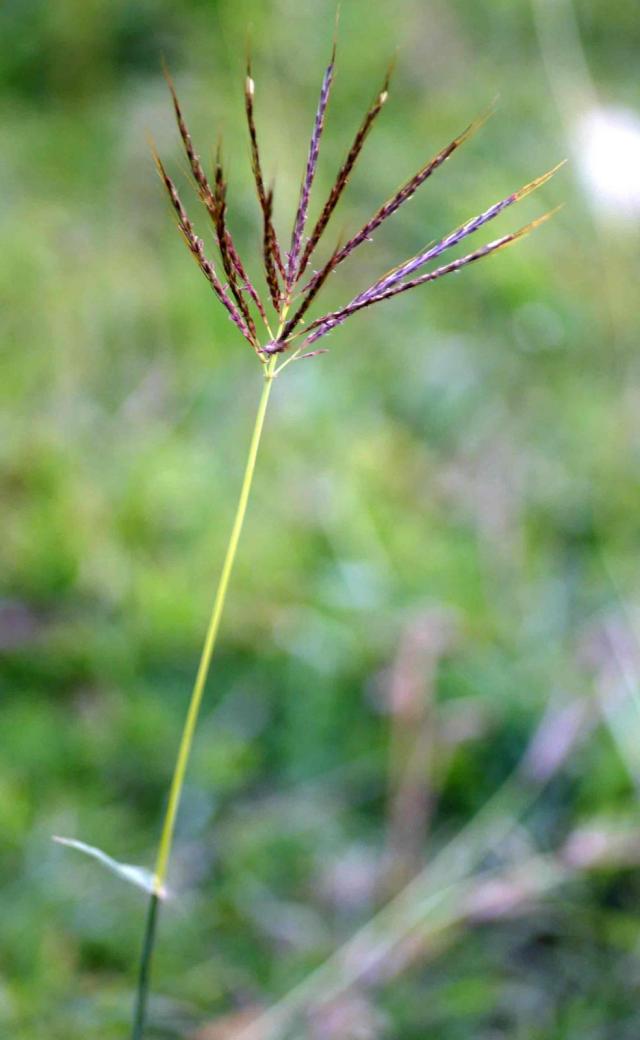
{"points": [[186, 741], [177, 782]]}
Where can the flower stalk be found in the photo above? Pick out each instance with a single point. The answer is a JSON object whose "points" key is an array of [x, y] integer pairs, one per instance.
{"points": [[193, 711]]}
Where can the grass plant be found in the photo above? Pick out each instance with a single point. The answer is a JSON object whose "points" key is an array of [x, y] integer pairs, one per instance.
{"points": [[287, 331]]}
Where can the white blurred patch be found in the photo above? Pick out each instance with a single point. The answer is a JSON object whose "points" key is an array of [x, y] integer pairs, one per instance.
{"points": [[608, 146], [138, 876]]}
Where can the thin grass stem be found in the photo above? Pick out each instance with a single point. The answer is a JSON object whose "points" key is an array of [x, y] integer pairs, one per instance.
{"points": [[142, 991], [186, 741]]}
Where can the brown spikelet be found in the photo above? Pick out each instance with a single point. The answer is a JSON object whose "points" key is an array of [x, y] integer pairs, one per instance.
{"points": [[209, 197], [245, 281], [265, 203], [344, 172], [269, 254], [196, 247], [215, 201], [195, 165], [224, 242], [172, 191]]}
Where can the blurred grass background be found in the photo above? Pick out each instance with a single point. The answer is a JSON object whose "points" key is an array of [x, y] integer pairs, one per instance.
{"points": [[446, 506]]}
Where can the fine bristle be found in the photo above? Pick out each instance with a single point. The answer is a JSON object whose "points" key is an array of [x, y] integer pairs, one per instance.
{"points": [[539, 181], [336, 27]]}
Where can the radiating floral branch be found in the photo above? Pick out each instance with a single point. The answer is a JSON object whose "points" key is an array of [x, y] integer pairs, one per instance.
{"points": [[455, 237], [344, 172], [293, 270], [274, 256], [325, 324]]}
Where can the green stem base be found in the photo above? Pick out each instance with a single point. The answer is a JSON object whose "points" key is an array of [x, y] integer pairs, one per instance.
{"points": [[142, 992]]}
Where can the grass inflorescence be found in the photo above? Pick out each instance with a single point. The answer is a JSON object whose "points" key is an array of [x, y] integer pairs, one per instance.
{"points": [[284, 270]]}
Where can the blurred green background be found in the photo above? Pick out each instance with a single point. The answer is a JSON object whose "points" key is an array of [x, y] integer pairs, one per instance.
{"points": [[441, 550]]}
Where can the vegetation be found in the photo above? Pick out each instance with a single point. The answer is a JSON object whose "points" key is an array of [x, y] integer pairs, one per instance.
{"points": [[440, 551]]}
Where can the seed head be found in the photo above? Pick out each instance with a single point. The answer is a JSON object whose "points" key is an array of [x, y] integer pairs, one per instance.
{"points": [[283, 273]]}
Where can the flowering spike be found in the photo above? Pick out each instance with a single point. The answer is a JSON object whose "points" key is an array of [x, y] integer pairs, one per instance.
{"points": [[269, 253], [230, 259], [256, 165], [309, 174], [215, 203], [345, 171], [195, 165]]}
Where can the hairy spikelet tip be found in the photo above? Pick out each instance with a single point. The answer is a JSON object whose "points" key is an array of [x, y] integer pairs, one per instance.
{"points": [[539, 181]]}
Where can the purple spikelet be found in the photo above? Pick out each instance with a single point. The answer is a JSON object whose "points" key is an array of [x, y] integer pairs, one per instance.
{"points": [[454, 238], [344, 173], [325, 324], [309, 174]]}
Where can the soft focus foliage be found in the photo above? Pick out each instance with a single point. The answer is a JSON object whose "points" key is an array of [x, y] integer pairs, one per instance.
{"points": [[468, 453]]}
